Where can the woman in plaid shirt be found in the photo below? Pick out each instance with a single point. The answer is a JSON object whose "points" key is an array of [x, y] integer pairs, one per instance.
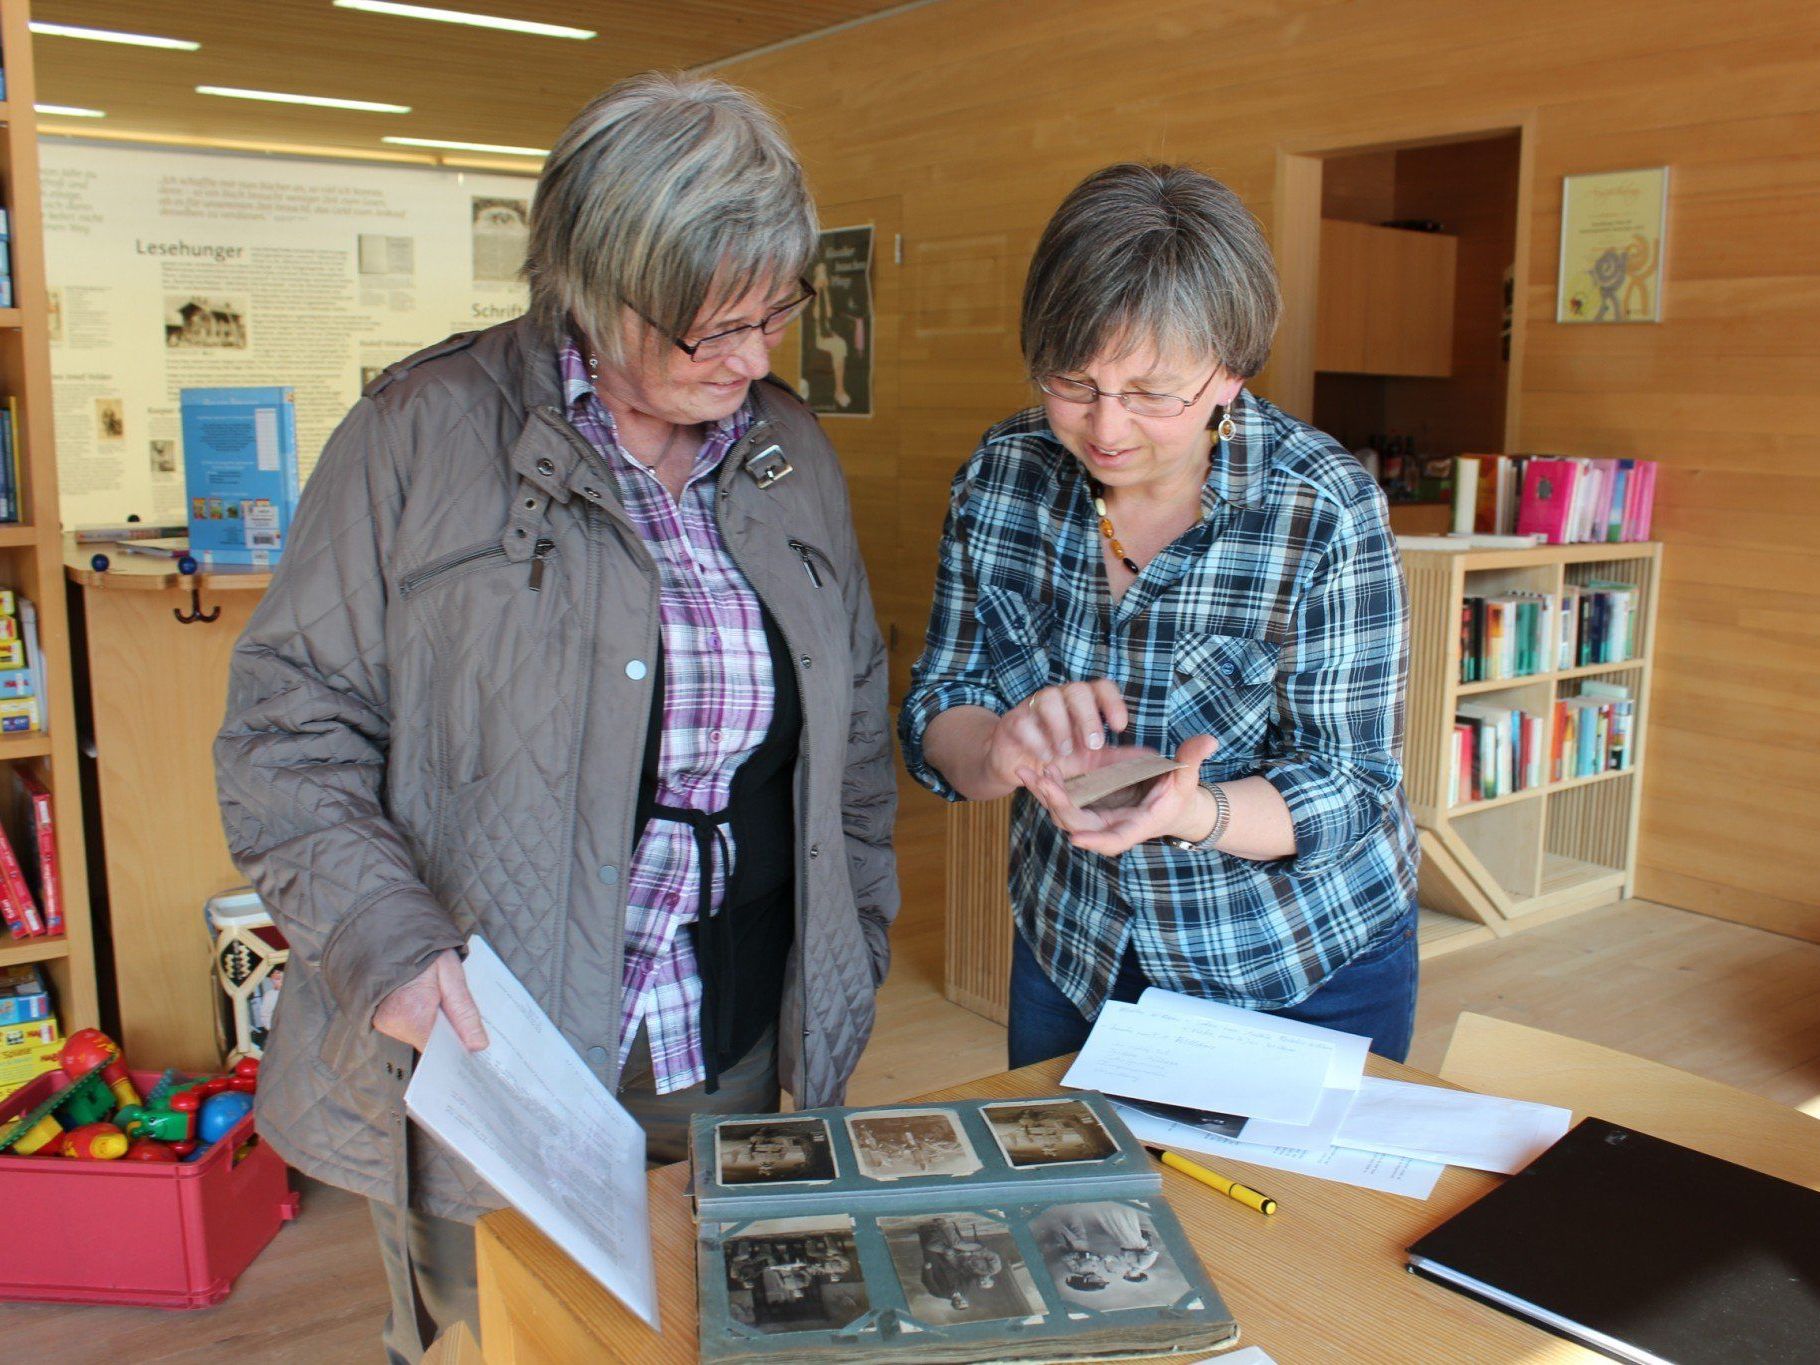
{"points": [[1158, 560]]}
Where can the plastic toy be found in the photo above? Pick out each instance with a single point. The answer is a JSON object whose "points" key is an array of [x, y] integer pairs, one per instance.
{"points": [[150, 1149], [80, 1102], [93, 1142], [89, 1050], [221, 1112]]}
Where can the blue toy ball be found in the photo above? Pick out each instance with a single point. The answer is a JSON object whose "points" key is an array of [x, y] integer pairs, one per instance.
{"points": [[99, 563], [220, 1113], [187, 565]]}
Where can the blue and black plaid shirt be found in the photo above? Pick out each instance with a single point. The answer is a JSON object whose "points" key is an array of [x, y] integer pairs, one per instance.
{"points": [[1278, 625]]}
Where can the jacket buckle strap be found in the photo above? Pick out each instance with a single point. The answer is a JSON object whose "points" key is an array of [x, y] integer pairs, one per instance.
{"points": [[768, 466], [525, 528]]}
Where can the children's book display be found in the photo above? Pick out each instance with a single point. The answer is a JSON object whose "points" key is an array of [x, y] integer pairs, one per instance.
{"points": [[1031, 1229]]}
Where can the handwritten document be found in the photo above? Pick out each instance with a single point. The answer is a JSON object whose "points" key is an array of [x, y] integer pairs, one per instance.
{"points": [[1349, 1049], [530, 1117], [1202, 1063]]}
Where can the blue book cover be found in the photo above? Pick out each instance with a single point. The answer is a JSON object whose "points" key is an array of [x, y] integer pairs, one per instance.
{"points": [[240, 472]]}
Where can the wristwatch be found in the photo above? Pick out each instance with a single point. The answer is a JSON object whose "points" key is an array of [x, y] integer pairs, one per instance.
{"points": [[1222, 816]]}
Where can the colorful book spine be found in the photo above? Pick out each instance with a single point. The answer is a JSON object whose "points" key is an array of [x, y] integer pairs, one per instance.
{"points": [[12, 877], [44, 839]]}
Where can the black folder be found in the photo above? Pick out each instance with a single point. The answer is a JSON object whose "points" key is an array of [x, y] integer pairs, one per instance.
{"points": [[1643, 1250]]}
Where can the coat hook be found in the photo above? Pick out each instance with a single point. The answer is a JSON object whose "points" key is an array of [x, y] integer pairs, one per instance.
{"points": [[187, 567]]}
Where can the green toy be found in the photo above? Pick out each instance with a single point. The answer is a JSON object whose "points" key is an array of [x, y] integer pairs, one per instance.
{"points": [[84, 1101]]}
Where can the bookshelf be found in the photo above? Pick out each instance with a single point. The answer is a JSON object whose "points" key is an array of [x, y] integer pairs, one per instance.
{"points": [[1490, 867], [31, 553]]}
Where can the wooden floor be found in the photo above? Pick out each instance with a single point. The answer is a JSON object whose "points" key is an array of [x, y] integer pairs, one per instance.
{"points": [[1720, 999]]}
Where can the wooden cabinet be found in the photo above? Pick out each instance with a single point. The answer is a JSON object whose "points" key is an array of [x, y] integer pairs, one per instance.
{"points": [[31, 558], [1385, 301]]}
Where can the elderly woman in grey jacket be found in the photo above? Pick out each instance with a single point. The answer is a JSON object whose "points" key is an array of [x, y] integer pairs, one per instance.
{"points": [[572, 648]]}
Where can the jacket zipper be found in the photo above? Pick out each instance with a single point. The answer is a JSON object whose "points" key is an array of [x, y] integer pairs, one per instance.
{"points": [[538, 556], [418, 578], [804, 553]]}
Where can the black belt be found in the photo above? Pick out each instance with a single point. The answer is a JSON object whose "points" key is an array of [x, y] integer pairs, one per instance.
{"points": [[713, 935]]}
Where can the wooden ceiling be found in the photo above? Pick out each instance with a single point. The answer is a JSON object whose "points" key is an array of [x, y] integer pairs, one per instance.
{"points": [[462, 83]]}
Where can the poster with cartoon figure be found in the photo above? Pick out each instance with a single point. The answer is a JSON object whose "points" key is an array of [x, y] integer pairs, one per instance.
{"points": [[837, 329], [1612, 230]]}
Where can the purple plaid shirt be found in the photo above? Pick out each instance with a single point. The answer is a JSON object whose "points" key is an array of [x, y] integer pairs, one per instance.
{"points": [[717, 708]]}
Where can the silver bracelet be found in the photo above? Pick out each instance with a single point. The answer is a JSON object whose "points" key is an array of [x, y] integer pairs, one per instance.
{"points": [[1222, 816]]}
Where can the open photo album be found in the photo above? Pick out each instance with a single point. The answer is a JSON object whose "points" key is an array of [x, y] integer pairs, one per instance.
{"points": [[1025, 1230]]}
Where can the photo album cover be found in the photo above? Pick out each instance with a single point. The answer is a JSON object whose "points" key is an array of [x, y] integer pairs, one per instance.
{"points": [[1020, 1230]]}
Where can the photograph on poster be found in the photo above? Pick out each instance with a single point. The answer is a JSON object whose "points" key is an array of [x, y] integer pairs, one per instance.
{"points": [[960, 1267], [1108, 1255], [837, 328], [1613, 227], [500, 229], [191, 320], [110, 419], [795, 1274], [163, 456]]}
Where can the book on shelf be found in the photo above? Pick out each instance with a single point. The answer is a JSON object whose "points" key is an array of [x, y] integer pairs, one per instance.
{"points": [[1003, 1230], [1594, 732], [240, 472], [1520, 634], [130, 530], [36, 843], [11, 501], [6, 245], [1564, 499], [21, 709], [23, 995], [1498, 750]]}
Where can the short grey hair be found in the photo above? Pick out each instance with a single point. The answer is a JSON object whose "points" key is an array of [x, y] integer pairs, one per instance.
{"points": [[663, 191], [1160, 254]]}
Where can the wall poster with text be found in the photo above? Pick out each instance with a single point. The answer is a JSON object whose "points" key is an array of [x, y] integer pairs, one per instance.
{"points": [[837, 329], [1612, 232]]}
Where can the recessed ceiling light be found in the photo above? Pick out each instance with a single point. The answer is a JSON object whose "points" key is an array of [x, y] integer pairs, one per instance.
{"points": [[68, 111], [466, 146], [278, 97], [108, 35], [455, 16]]}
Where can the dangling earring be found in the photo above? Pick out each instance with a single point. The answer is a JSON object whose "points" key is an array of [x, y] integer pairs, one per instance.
{"points": [[1225, 426]]}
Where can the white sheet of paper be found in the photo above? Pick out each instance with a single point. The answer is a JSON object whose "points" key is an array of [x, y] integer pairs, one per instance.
{"points": [[1245, 1355], [1348, 1165], [1457, 1127], [1203, 1063], [530, 1117], [1349, 1049]]}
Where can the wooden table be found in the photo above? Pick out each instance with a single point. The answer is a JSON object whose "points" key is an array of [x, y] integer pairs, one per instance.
{"points": [[1321, 1281], [157, 688]]}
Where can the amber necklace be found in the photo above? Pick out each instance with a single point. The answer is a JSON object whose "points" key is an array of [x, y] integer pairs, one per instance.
{"points": [[1223, 428]]}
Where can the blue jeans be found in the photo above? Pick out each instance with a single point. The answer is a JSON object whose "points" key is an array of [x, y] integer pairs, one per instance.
{"points": [[1374, 996]]}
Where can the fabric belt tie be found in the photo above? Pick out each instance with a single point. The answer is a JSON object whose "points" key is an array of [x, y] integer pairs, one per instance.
{"points": [[713, 936]]}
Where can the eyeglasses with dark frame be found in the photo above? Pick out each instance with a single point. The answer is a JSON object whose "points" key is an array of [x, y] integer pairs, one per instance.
{"points": [[1138, 402], [716, 345]]}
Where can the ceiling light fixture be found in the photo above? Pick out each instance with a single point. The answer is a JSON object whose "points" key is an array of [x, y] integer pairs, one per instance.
{"points": [[68, 111], [455, 16], [466, 146], [325, 101], [108, 35]]}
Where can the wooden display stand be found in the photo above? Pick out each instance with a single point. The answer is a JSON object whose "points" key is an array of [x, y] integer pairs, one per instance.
{"points": [[1536, 854], [31, 560]]}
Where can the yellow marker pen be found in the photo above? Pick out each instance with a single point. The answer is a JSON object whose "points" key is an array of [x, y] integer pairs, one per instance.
{"points": [[1263, 1203]]}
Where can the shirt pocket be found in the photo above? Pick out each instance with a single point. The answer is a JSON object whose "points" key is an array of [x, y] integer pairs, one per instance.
{"points": [[1015, 635], [1223, 686]]}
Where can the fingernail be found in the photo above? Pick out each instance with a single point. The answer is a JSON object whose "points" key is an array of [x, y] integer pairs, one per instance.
{"points": [[1067, 747], [1096, 741]]}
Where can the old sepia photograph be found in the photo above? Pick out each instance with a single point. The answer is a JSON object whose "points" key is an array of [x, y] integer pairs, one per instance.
{"points": [[190, 320], [780, 1151], [163, 453], [1048, 1132], [499, 229], [795, 1274], [1108, 1255], [110, 419], [960, 1267], [892, 1144]]}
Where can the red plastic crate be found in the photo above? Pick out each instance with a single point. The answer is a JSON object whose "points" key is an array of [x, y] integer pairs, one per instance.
{"points": [[158, 1235]]}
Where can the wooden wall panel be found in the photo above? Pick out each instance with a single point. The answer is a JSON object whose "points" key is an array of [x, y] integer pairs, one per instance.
{"points": [[980, 114]]}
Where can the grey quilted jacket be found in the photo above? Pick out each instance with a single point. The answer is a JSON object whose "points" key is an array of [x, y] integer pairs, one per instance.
{"points": [[436, 722]]}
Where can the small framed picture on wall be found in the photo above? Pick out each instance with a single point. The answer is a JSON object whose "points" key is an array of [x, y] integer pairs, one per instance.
{"points": [[1613, 229]]}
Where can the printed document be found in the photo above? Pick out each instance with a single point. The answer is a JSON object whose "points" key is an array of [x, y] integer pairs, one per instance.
{"points": [[1201, 1062], [529, 1116], [1458, 1127]]}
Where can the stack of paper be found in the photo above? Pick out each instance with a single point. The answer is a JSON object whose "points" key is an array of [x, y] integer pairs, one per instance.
{"points": [[1214, 1078]]}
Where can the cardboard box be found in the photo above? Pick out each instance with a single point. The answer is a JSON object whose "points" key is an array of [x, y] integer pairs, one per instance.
{"points": [[240, 472], [27, 1051], [23, 995]]}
